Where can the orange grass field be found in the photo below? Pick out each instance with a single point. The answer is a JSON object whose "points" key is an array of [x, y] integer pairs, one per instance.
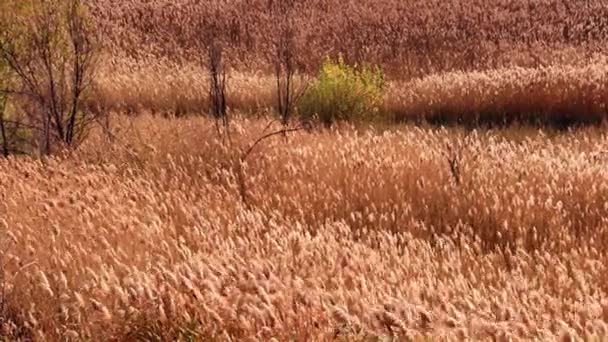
{"points": [[445, 60], [154, 229], [346, 235]]}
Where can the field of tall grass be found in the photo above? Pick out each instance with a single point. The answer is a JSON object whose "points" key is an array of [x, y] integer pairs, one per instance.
{"points": [[492, 61], [473, 206], [345, 234]]}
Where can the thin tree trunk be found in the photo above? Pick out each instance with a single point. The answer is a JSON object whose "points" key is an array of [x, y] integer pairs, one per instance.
{"points": [[5, 151]]}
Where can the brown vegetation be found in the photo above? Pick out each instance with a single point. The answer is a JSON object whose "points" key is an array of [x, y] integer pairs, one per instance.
{"points": [[408, 38], [500, 61], [348, 235], [158, 228]]}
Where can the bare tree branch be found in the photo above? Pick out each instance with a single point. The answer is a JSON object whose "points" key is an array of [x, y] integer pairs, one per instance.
{"points": [[270, 135]]}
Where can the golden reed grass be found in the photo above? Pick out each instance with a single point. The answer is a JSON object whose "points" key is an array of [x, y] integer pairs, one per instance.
{"points": [[348, 235], [408, 39], [411, 232], [496, 61]]}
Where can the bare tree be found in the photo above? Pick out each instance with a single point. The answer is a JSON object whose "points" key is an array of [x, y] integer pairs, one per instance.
{"points": [[284, 72], [9, 128], [51, 51], [217, 86], [284, 59], [3, 133], [214, 37], [4, 84]]}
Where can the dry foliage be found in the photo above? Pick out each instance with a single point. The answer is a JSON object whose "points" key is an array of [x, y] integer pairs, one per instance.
{"points": [[408, 38], [560, 95], [349, 235], [159, 229], [496, 61], [557, 95], [165, 87]]}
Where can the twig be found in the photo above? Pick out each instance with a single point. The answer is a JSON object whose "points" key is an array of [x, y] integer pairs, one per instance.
{"points": [[270, 123], [269, 135], [243, 157], [116, 140]]}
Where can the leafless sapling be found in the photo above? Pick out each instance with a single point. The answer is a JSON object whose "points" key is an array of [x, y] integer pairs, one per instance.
{"points": [[51, 50]]}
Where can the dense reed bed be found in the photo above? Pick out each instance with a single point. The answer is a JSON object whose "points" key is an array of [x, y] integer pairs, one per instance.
{"points": [[345, 235], [157, 228], [408, 39], [487, 61]]}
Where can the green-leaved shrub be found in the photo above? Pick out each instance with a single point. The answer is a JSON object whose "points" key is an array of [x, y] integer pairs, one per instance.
{"points": [[343, 92]]}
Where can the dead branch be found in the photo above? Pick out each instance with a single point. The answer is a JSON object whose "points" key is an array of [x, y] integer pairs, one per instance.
{"points": [[270, 135], [239, 167]]}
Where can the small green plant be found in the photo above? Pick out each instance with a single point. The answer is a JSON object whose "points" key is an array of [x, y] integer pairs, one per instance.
{"points": [[343, 92]]}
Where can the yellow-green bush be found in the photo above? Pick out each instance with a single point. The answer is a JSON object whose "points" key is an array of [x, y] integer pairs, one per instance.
{"points": [[343, 92]]}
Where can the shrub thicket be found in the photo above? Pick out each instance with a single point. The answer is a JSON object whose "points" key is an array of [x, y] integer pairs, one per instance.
{"points": [[343, 92]]}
